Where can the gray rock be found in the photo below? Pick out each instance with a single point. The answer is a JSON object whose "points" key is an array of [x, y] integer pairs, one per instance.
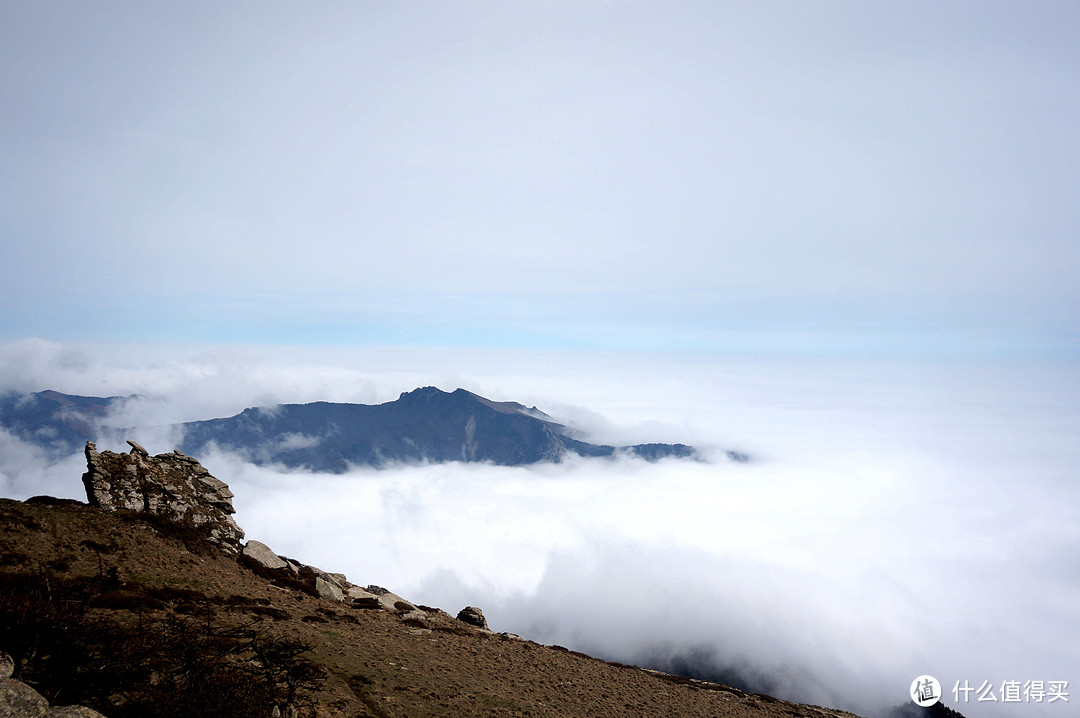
{"points": [[394, 603], [18, 700], [7, 666], [171, 485], [264, 555], [357, 592], [72, 712], [136, 449], [329, 590], [390, 601], [359, 598], [369, 602], [473, 616]]}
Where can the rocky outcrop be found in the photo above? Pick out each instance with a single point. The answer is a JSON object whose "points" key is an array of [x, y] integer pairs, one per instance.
{"points": [[18, 700], [472, 616], [178, 488], [174, 486]]}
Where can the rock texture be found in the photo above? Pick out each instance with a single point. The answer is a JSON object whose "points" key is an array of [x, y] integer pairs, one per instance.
{"points": [[18, 700], [473, 616], [262, 553], [174, 486]]}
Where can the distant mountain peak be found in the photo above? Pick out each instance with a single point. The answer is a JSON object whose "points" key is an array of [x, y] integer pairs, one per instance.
{"points": [[425, 393], [426, 425]]}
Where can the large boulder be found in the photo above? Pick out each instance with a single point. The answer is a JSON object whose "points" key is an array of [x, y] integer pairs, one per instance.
{"points": [[390, 601], [170, 485], [472, 616], [264, 555], [329, 590], [18, 700]]}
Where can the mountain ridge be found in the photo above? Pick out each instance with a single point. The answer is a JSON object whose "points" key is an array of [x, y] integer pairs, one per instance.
{"points": [[425, 425]]}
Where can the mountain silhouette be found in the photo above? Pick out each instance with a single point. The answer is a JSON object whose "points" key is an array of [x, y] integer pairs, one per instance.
{"points": [[424, 425]]}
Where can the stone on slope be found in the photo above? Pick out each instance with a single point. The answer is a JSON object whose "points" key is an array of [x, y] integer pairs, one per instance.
{"points": [[262, 553], [174, 486], [329, 590], [390, 601], [18, 700], [473, 616], [72, 712]]}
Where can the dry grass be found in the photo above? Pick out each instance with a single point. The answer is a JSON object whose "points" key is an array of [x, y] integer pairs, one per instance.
{"points": [[125, 571]]}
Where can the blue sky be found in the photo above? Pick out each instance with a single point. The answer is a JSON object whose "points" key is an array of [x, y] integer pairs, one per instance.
{"points": [[774, 177]]}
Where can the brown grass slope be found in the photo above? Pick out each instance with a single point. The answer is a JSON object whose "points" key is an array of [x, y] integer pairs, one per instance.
{"points": [[142, 610]]}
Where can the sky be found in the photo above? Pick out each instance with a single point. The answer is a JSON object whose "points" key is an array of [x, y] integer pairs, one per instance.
{"points": [[841, 237], [824, 178]]}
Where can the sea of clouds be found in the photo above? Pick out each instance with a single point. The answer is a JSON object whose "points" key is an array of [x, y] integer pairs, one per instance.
{"points": [[897, 518]]}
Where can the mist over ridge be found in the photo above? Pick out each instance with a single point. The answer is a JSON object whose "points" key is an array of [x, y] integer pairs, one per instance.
{"points": [[894, 511]]}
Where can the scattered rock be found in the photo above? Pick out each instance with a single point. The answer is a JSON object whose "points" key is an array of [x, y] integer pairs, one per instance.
{"points": [[473, 616], [170, 485], [264, 555], [179, 488]]}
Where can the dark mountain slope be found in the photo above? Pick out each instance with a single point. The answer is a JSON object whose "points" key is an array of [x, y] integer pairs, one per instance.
{"points": [[58, 423], [425, 425], [422, 425]]}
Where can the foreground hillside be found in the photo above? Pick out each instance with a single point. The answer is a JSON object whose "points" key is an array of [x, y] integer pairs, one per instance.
{"points": [[88, 596]]}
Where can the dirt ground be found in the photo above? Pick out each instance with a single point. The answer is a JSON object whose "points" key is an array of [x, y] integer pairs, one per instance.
{"points": [[375, 663]]}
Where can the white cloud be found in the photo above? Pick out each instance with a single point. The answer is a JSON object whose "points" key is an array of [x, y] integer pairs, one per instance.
{"points": [[898, 517]]}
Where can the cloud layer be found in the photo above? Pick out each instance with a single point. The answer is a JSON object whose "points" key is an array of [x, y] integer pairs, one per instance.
{"points": [[898, 518]]}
